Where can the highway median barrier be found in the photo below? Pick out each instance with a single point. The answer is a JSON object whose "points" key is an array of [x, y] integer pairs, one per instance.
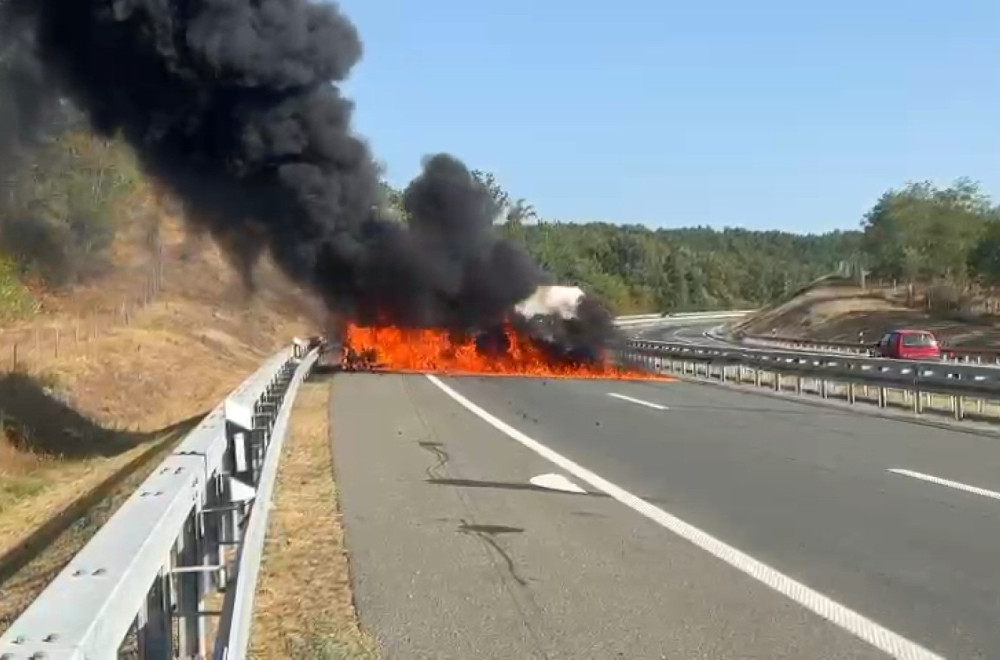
{"points": [[959, 390]]}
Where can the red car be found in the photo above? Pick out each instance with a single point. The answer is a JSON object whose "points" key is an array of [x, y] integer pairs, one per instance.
{"points": [[909, 345]]}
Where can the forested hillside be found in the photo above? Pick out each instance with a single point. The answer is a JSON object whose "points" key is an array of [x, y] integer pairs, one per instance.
{"points": [[919, 233], [638, 269]]}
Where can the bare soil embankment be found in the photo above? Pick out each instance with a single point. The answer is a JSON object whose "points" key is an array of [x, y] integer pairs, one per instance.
{"points": [[848, 313]]}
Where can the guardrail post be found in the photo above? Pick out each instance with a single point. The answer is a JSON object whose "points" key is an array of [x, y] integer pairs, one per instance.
{"points": [[959, 406], [824, 388], [212, 518], [882, 397], [918, 402], [155, 634], [851, 393], [777, 381], [756, 377], [798, 384], [192, 628]]}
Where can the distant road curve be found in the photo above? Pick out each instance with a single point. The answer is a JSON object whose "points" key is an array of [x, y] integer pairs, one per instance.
{"points": [[693, 330]]}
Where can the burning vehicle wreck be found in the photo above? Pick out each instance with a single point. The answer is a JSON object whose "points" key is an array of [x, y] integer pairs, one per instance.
{"points": [[550, 334]]}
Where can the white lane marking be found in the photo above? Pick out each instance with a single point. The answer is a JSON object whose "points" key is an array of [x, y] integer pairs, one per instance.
{"points": [[851, 621], [639, 401], [947, 482], [556, 482]]}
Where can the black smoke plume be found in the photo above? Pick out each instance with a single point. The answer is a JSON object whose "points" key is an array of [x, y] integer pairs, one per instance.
{"points": [[28, 102], [234, 106]]}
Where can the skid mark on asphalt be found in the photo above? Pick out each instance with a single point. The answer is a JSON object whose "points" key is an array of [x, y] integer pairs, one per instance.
{"points": [[436, 449], [487, 534]]}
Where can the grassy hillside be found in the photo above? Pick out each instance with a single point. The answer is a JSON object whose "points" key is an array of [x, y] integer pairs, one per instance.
{"points": [[116, 326]]}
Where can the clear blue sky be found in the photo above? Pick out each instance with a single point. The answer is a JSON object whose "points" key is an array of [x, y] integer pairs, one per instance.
{"points": [[767, 115]]}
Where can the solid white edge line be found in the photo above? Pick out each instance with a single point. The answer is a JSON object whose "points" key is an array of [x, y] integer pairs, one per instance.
{"points": [[655, 406], [857, 624], [947, 482]]}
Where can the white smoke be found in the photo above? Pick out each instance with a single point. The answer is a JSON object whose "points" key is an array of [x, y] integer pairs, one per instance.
{"points": [[561, 300]]}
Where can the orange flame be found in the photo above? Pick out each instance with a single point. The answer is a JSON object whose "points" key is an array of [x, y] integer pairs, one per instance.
{"points": [[395, 349]]}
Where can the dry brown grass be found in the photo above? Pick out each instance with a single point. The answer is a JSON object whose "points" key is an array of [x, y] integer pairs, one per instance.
{"points": [[304, 602], [31, 497], [81, 416]]}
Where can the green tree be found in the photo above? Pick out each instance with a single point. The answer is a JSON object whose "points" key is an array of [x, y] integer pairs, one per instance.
{"points": [[58, 213], [984, 257], [923, 232], [499, 198], [520, 213]]}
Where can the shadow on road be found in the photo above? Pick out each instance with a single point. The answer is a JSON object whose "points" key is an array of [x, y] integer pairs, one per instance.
{"points": [[468, 483], [36, 420]]}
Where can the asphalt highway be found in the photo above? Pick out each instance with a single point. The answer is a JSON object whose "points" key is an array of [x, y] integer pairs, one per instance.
{"points": [[713, 523], [693, 332]]}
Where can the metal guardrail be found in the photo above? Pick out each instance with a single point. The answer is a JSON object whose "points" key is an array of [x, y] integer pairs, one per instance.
{"points": [[959, 382], [968, 354], [186, 536], [653, 319]]}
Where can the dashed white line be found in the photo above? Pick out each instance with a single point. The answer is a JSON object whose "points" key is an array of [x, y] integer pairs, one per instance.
{"points": [[655, 406], [857, 624], [947, 482]]}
